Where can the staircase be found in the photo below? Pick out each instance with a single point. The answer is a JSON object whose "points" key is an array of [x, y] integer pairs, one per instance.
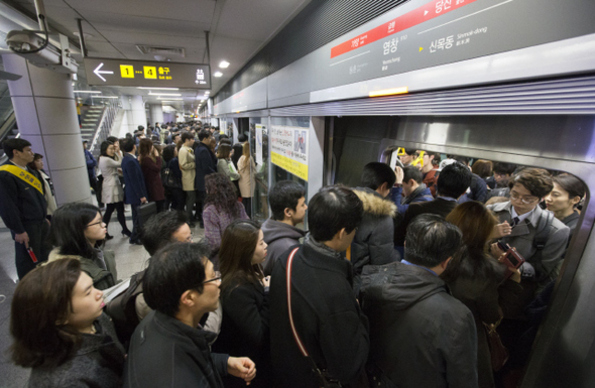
{"points": [[90, 119]]}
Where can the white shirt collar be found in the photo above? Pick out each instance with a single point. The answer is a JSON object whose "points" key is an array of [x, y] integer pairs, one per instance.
{"points": [[522, 217]]}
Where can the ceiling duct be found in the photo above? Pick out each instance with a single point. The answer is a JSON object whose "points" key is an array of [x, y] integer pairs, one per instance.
{"points": [[162, 51]]}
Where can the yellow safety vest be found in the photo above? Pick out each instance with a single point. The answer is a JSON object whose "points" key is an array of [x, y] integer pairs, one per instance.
{"points": [[23, 175]]}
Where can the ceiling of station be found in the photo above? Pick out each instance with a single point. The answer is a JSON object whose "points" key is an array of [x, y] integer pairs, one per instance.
{"points": [[113, 29]]}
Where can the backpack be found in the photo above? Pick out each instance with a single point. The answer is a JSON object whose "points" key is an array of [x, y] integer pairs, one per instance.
{"points": [[122, 309], [169, 180]]}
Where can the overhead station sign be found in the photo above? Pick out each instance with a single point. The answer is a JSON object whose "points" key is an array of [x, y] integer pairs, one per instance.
{"points": [[120, 72]]}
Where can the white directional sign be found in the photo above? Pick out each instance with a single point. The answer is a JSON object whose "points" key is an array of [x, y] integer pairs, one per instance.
{"points": [[117, 72]]}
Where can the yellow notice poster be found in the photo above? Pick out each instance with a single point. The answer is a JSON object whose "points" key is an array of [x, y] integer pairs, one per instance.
{"points": [[289, 149]]}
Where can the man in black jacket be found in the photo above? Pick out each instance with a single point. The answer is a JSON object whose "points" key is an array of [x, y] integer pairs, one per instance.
{"points": [[206, 163], [23, 206], [181, 286], [420, 335], [327, 317]]}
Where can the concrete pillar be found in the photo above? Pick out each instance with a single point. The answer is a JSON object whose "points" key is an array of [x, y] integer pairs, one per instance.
{"points": [[46, 116], [135, 112], [156, 114]]}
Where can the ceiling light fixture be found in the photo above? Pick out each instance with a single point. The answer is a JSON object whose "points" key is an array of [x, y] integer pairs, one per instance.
{"points": [[170, 99], [88, 91], [149, 88], [224, 64], [218, 74], [165, 94], [208, 92]]}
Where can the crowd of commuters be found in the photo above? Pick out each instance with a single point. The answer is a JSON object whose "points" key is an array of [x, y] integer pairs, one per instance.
{"points": [[400, 281]]}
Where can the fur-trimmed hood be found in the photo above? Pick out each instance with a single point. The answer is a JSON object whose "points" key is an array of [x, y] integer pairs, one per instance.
{"points": [[374, 203]]}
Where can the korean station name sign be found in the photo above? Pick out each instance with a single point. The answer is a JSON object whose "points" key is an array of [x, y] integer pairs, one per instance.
{"points": [[121, 72]]}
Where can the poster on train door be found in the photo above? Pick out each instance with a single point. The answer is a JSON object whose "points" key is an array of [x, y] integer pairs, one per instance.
{"points": [[289, 149], [260, 133]]}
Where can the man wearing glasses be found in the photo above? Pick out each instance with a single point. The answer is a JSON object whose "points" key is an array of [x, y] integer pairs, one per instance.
{"points": [[529, 223]]}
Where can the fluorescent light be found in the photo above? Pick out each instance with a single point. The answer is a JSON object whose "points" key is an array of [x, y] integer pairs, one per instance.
{"points": [[106, 97], [88, 91], [208, 92], [148, 88], [165, 94], [389, 92], [170, 99], [224, 64], [218, 74]]}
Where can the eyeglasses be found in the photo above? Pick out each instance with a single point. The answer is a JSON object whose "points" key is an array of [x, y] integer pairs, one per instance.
{"points": [[95, 223], [215, 279], [527, 200]]}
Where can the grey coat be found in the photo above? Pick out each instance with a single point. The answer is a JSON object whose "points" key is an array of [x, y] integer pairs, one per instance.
{"points": [[521, 238], [98, 363]]}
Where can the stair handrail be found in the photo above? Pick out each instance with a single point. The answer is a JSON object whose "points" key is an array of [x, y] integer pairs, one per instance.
{"points": [[105, 124]]}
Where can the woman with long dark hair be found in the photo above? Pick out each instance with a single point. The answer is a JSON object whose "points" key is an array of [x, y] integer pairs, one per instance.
{"points": [[173, 181], [60, 330], [477, 279], [221, 208], [150, 163], [564, 198], [112, 193], [77, 231], [244, 299]]}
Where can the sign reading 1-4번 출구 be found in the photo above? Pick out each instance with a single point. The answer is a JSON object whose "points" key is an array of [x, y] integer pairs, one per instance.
{"points": [[121, 72]]}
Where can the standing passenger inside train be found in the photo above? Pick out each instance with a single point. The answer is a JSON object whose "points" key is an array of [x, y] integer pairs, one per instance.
{"points": [[288, 209], [498, 183], [77, 231], [477, 279], [430, 171], [409, 188], [564, 199], [408, 156], [23, 206], [373, 241], [245, 300], [60, 331], [326, 316], [420, 336], [536, 234], [453, 181], [170, 348]]}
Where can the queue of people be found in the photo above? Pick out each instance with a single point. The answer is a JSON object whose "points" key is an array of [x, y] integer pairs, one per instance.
{"points": [[391, 285]]}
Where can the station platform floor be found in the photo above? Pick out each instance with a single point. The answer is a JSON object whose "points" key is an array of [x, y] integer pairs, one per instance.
{"points": [[129, 260]]}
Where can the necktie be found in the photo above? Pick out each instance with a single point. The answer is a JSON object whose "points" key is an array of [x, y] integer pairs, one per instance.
{"points": [[514, 222]]}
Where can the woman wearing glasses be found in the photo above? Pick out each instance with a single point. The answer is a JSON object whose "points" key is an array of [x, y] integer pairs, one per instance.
{"points": [[529, 222], [244, 298], [78, 231], [60, 331]]}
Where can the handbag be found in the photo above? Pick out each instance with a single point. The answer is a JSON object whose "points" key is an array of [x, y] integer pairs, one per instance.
{"points": [[169, 180], [498, 352], [145, 211], [323, 378]]}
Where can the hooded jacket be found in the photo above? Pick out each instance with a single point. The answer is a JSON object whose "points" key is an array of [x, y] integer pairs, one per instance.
{"points": [[99, 362], [373, 241], [420, 336], [279, 237], [420, 194]]}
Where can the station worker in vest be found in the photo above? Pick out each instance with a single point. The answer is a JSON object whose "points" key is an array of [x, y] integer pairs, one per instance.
{"points": [[23, 207]]}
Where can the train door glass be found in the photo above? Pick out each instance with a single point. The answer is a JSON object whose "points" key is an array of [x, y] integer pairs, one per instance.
{"points": [[259, 149]]}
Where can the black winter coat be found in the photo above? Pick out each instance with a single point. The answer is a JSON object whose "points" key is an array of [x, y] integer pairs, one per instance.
{"points": [[327, 318], [420, 336], [205, 162], [165, 352], [245, 330]]}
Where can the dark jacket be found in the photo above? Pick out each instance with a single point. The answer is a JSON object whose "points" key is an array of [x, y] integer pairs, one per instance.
{"points": [[135, 188], [165, 352], [327, 318], [174, 168], [439, 206], [245, 330], [279, 238], [91, 164], [20, 202], [102, 270], [421, 194], [205, 162], [373, 241], [478, 190], [98, 363], [152, 174], [420, 336]]}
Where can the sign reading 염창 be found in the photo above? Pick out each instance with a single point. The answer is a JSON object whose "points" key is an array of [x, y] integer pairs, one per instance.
{"points": [[122, 72]]}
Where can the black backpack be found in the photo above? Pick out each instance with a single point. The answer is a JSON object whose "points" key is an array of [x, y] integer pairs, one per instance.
{"points": [[122, 309]]}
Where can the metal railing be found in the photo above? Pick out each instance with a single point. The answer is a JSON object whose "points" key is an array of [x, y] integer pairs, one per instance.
{"points": [[107, 121]]}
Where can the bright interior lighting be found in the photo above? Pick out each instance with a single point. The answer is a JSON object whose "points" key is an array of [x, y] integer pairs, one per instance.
{"points": [[218, 74], [389, 92], [88, 91], [223, 65], [208, 92], [165, 94], [170, 99], [148, 88], [107, 97]]}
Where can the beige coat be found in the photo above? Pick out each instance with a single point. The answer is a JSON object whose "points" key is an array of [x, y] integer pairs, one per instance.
{"points": [[186, 160], [247, 169]]}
